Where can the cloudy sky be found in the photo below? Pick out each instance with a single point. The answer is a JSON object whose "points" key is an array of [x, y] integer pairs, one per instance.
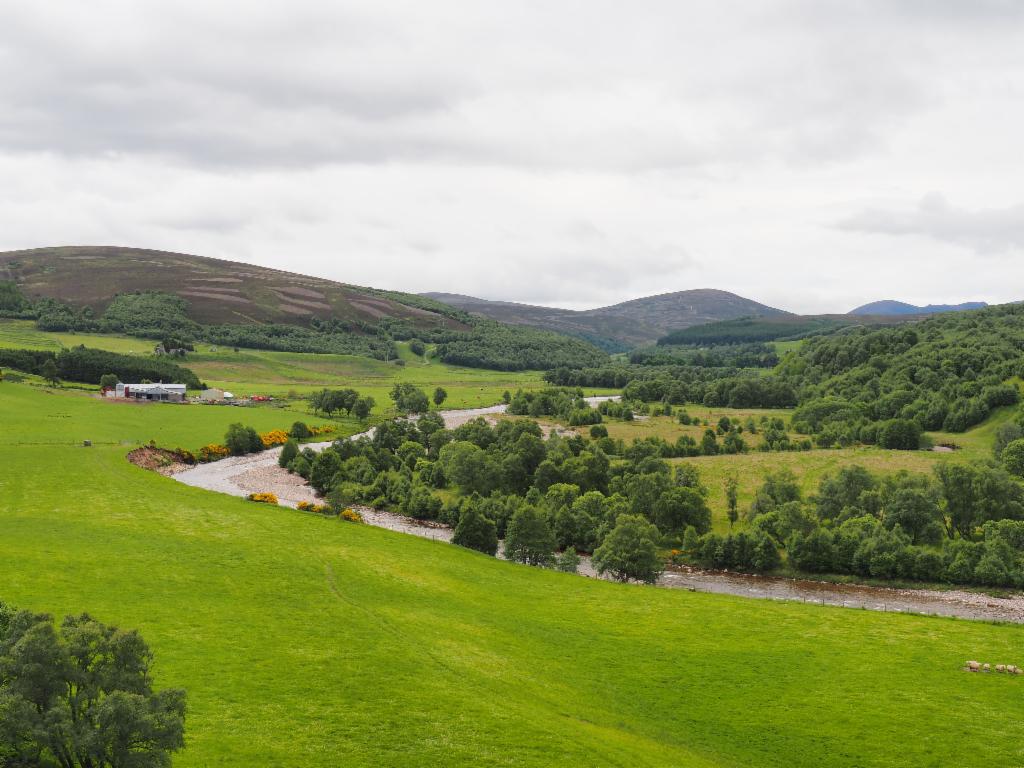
{"points": [[811, 155]]}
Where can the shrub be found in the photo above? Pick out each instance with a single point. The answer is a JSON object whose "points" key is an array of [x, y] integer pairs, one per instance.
{"points": [[288, 454], [241, 440], [1013, 457], [350, 515], [264, 497], [568, 561], [422, 504], [213, 452], [300, 466], [310, 506], [300, 430], [274, 437], [899, 434]]}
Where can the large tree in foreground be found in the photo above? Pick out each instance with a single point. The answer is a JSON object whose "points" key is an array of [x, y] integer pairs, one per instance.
{"points": [[630, 551], [80, 696]]}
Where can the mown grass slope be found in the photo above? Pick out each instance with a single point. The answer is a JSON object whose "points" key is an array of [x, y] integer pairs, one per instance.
{"points": [[306, 641]]}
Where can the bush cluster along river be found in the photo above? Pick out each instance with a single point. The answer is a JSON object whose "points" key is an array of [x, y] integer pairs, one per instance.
{"points": [[242, 475]]}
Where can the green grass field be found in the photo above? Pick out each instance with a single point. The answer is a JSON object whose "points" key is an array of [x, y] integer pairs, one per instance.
{"points": [[668, 427], [811, 466], [306, 641], [35, 415], [23, 334], [281, 373], [246, 371]]}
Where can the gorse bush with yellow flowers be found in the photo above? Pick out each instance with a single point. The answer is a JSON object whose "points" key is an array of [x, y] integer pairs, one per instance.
{"points": [[273, 437], [213, 452], [351, 516], [263, 498]]}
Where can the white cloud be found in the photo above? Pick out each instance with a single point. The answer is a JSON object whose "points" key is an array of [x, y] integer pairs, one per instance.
{"points": [[559, 152], [984, 231]]}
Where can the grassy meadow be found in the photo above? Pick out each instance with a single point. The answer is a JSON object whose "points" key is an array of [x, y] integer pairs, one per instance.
{"points": [[247, 371], [809, 467], [308, 641], [668, 427]]}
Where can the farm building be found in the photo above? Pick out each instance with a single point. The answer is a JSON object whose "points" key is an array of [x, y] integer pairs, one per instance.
{"points": [[166, 393], [214, 395]]}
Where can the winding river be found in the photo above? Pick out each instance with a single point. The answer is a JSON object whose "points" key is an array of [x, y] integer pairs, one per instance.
{"points": [[242, 475]]}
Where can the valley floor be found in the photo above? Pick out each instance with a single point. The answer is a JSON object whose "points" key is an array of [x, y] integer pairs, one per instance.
{"points": [[260, 473], [306, 641]]}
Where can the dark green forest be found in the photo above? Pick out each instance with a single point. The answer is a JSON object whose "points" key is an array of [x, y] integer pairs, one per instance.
{"points": [[86, 366], [946, 373]]}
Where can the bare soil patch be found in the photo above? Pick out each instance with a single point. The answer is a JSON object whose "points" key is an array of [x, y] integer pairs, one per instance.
{"points": [[157, 460]]}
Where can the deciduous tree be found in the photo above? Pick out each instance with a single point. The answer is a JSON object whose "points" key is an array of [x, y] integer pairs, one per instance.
{"points": [[81, 696], [630, 551]]}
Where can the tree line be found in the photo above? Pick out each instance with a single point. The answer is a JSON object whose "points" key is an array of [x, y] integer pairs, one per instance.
{"points": [[964, 524], [466, 340], [88, 366], [748, 355], [558, 493]]}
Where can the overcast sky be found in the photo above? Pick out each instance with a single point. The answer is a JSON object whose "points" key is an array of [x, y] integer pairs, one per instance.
{"points": [[811, 155]]}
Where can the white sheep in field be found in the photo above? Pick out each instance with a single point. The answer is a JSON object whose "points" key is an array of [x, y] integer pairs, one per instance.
{"points": [[977, 666]]}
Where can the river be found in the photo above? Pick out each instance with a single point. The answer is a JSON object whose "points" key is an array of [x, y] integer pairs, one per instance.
{"points": [[242, 475]]}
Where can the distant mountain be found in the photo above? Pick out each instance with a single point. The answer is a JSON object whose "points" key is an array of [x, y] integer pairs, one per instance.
{"points": [[890, 307], [620, 326]]}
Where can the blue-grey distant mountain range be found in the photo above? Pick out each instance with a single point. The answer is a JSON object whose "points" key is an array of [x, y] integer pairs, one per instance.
{"points": [[890, 307]]}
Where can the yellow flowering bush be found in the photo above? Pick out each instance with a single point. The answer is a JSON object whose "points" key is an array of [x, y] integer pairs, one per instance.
{"points": [[213, 452], [323, 429], [351, 515], [274, 437], [263, 498], [319, 509]]}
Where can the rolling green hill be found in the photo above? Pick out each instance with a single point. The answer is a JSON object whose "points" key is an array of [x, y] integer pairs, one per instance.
{"points": [[621, 326], [307, 641], [182, 298]]}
